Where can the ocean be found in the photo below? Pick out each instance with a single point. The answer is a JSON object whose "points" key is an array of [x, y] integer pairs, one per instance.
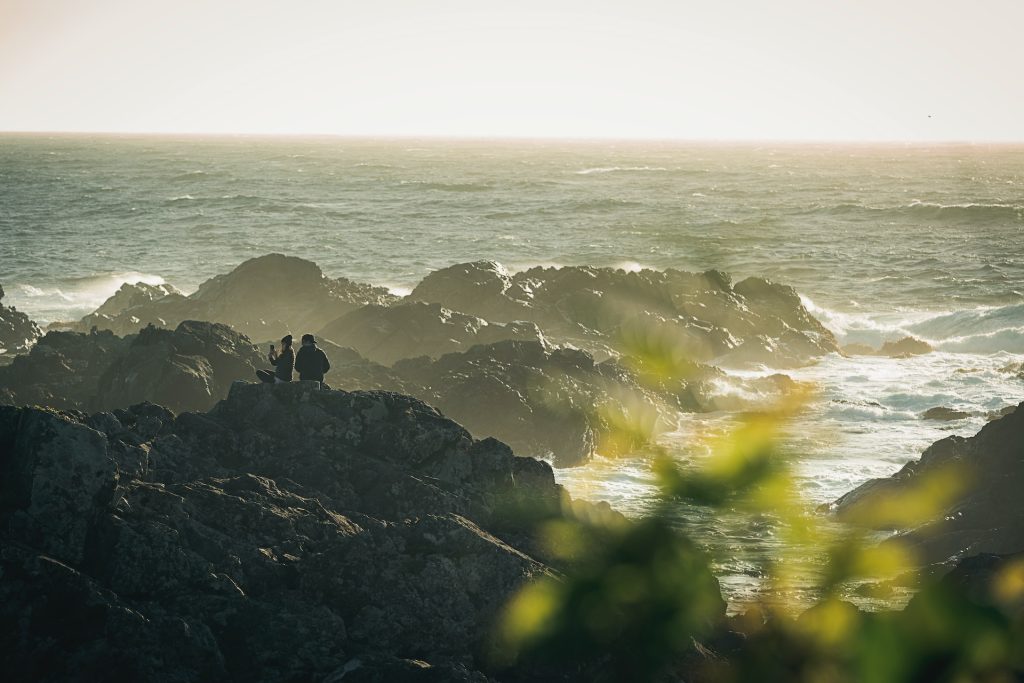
{"points": [[881, 242]]}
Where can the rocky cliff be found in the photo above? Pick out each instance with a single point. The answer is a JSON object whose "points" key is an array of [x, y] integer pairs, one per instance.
{"points": [[289, 534]]}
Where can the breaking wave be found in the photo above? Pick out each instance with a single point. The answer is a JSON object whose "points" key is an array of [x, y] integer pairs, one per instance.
{"points": [[981, 330], [75, 296]]}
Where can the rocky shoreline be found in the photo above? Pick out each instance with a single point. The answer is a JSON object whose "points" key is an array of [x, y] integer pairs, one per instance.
{"points": [[559, 363], [298, 533], [163, 518]]}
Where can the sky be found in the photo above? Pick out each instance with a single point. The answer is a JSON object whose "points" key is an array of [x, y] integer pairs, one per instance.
{"points": [[860, 70]]}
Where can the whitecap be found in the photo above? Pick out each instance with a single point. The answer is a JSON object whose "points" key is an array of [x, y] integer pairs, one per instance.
{"points": [[620, 169]]}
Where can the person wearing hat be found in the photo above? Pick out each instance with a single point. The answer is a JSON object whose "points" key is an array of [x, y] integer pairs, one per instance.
{"points": [[283, 363], [311, 362]]}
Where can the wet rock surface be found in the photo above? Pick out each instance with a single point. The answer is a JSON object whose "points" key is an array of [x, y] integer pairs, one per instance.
{"points": [[984, 514], [907, 346], [17, 332], [289, 534], [189, 368], [901, 348]]}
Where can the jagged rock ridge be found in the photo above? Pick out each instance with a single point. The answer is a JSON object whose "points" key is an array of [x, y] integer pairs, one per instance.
{"points": [[703, 315]]}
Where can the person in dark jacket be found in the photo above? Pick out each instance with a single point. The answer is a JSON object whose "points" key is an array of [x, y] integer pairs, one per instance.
{"points": [[311, 362], [283, 363]]}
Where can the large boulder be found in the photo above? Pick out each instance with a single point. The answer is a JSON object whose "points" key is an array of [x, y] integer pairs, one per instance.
{"points": [[291, 533], [189, 368], [979, 478], [62, 370], [17, 332], [270, 296], [264, 298], [483, 288], [386, 334]]}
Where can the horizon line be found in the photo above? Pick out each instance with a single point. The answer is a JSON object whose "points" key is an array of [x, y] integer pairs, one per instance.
{"points": [[521, 138]]}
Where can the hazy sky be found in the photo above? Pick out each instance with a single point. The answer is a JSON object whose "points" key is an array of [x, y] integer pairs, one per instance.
{"points": [[715, 69]]}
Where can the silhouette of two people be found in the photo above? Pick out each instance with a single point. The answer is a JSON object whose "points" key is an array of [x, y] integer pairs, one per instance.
{"points": [[310, 362]]}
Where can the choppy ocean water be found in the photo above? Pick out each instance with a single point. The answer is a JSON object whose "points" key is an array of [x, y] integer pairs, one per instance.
{"points": [[880, 241]]}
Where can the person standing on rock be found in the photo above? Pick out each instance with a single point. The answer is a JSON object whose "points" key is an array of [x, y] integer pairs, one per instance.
{"points": [[311, 361], [283, 363]]}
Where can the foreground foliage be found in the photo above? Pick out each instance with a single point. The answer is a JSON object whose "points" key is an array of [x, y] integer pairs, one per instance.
{"points": [[636, 605]]}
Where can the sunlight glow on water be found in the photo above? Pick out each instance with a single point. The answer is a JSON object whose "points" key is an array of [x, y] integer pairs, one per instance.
{"points": [[882, 242]]}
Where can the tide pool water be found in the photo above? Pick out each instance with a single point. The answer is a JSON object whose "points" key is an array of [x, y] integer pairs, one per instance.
{"points": [[881, 242]]}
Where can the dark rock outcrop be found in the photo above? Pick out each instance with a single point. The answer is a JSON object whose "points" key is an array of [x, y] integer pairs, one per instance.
{"points": [[907, 346], [902, 348], [386, 334], [17, 332], [944, 414], [264, 298], [61, 371], [543, 401], [133, 307], [289, 534], [557, 403], [985, 513], [189, 368], [756, 321]]}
